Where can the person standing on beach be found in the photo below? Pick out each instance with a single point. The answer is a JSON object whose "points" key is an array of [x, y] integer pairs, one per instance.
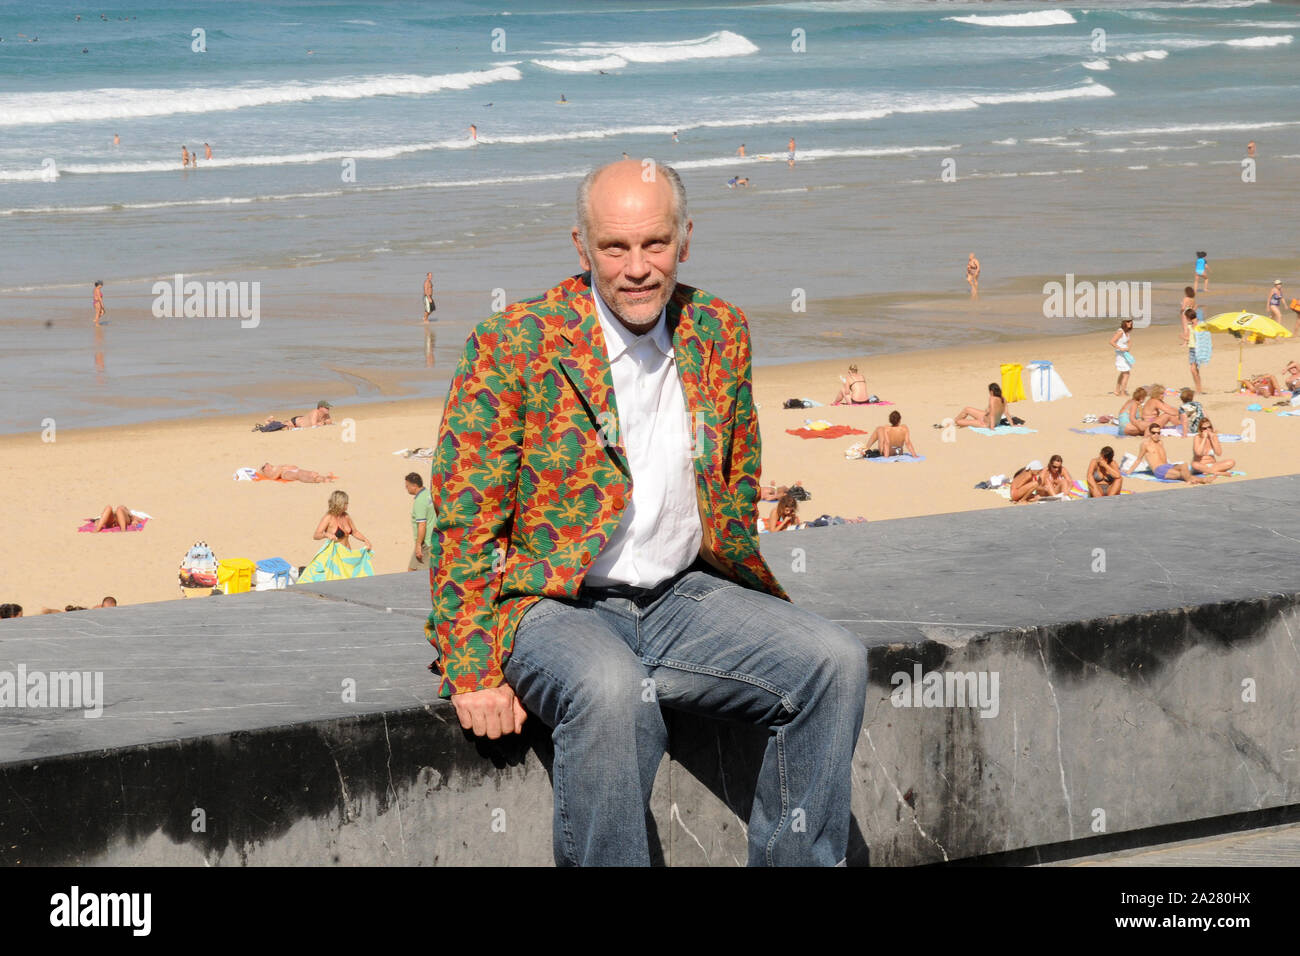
{"points": [[1123, 358], [1250, 148], [98, 300], [973, 275], [422, 516], [1189, 339], [207, 151], [1202, 272], [428, 295], [595, 534], [1275, 300], [185, 157]]}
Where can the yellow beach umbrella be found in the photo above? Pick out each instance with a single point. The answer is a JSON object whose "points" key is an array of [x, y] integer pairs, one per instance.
{"points": [[1242, 324]]}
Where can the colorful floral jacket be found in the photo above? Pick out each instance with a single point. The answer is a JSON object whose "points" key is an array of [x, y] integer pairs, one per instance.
{"points": [[529, 480]]}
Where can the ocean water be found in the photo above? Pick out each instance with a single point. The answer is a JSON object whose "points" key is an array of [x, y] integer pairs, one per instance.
{"points": [[1096, 138]]}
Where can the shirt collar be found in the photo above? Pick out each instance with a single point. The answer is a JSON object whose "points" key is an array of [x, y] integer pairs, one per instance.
{"points": [[619, 338]]}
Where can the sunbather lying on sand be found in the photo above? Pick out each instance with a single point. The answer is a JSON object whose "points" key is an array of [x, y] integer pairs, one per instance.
{"points": [[118, 517], [291, 473]]}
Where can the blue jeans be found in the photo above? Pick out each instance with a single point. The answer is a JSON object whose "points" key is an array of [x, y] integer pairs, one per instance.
{"points": [[597, 670]]}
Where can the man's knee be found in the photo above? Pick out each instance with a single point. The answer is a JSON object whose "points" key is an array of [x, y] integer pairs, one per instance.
{"points": [[843, 657]]}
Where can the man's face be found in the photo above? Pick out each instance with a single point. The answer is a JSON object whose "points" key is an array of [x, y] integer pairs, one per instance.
{"points": [[412, 489], [633, 250]]}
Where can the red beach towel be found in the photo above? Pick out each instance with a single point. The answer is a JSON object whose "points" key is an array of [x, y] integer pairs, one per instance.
{"points": [[835, 431]]}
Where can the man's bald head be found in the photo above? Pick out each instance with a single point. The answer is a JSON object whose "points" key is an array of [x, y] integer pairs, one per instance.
{"points": [[630, 176]]}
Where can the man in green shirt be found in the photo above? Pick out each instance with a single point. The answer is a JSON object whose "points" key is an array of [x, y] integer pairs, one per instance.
{"points": [[421, 519]]}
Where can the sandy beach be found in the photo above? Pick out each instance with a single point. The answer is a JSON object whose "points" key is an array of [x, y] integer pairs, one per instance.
{"points": [[181, 472]]}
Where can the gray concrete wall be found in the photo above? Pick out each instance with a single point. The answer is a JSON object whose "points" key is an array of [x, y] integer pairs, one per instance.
{"points": [[1145, 650]]}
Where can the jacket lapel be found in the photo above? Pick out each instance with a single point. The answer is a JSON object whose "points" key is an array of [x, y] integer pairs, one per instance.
{"points": [[584, 358]]}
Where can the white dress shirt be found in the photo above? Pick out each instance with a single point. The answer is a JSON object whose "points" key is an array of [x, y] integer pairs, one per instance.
{"points": [[660, 533]]}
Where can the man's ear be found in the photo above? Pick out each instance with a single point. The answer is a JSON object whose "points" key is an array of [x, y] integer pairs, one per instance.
{"points": [[582, 253], [685, 252]]}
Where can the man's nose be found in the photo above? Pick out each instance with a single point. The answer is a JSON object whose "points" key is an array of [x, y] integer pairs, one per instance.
{"points": [[636, 265]]}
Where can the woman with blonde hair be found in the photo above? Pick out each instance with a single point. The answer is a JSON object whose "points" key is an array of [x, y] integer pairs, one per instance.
{"points": [[338, 524], [853, 390], [1130, 416]]}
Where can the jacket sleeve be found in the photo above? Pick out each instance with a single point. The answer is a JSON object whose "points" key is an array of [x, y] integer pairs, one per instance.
{"points": [[472, 485], [744, 467]]}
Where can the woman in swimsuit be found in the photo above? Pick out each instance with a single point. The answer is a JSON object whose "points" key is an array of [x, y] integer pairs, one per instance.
{"points": [[292, 473], [973, 275], [1275, 302], [853, 390], [785, 515], [1055, 478], [1156, 411], [1025, 484], [338, 524], [1206, 451], [894, 439], [1104, 479], [1129, 420], [1119, 342], [990, 417]]}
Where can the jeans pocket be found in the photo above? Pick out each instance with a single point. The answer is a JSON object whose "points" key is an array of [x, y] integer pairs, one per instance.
{"points": [[699, 584]]}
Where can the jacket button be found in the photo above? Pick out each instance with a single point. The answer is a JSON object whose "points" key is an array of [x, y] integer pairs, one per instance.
{"points": [[586, 558], [619, 501]]}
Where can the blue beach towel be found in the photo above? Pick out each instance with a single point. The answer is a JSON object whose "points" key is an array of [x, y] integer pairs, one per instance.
{"points": [[1204, 348], [903, 458], [1005, 430], [1098, 430]]}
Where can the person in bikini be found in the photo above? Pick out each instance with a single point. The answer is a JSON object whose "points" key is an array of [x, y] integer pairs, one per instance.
{"points": [[1206, 452], [119, 517], [338, 524], [973, 275], [1153, 452], [785, 516], [1104, 479], [1130, 416], [853, 390], [1056, 478], [292, 473], [991, 417], [893, 439], [1157, 411], [1026, 483]]}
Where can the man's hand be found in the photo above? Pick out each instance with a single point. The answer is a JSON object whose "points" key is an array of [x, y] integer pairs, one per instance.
{"points": [[491, 712]]}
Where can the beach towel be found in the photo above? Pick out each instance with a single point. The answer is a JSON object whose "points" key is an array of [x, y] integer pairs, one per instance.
{"points": [[902, 458], [1004, 430], [245, 474], [1013, 389], [1204, 348], [876, 403], [88, 524], [416, 452], [834, 431], [1112, 430], [334, 562]]}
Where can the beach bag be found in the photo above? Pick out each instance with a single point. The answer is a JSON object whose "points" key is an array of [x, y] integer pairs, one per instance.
{"points": [[199, 567], [1013, 390], [273, 574], [235, 575]]}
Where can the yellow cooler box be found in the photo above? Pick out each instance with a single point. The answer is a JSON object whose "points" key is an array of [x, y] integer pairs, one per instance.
{"points": [[235, 575]]}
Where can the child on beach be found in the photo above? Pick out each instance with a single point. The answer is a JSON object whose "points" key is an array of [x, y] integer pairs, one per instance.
{"points": [[1189, 339], [1191, 411], [1202, 272]]}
